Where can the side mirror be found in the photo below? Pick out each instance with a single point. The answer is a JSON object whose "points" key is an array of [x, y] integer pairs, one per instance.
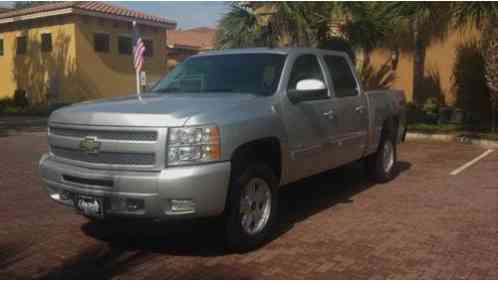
{"points": [[308, 89], [310, 85]]}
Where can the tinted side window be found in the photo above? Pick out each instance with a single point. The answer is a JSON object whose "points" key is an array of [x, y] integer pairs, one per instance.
{"points": [[305, 67], [1, 47], [342, 77]]}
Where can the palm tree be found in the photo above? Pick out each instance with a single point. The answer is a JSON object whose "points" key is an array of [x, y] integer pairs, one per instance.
{"points": [[308, 24], [239, 28], [414, 26], [329, 25], [289, 24], [483, 16]]}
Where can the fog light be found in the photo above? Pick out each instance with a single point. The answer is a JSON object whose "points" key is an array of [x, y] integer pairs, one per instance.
{"points": [[65, 195], [182, 206], [134, 204]]}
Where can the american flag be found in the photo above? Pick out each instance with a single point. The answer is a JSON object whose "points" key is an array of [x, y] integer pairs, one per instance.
{"points": [[138, 49]]}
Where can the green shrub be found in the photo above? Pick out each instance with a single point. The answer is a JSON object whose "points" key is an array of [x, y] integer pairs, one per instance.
{"points": [[414, 114], [21, 98], [431, 110], [10, 109], [428, 113], [4, 103]]}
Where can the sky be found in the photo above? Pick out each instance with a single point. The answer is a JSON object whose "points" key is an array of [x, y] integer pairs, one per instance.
{"points": [[187, 14]]}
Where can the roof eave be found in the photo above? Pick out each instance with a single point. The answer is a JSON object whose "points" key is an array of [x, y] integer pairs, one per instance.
{"points": [[166, 25], [37, 15]]}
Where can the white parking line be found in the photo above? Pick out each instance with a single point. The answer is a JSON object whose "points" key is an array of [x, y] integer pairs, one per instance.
{"points": [[472, 162]]}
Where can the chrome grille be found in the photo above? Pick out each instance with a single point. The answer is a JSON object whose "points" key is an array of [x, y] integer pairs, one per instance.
{"points": [[113, 158], [105, 134]]}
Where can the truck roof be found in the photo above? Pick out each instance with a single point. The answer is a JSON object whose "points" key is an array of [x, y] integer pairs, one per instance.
{"points": [[283, 51]]}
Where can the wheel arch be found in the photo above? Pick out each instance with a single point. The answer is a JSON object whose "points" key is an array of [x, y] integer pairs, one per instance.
{"points": [[267, 150]]}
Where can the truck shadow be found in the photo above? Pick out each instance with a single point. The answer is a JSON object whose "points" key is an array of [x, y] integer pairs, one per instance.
{"points": [[127, 244], [305, 198]]}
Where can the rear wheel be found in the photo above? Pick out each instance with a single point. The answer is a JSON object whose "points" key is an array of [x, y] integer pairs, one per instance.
{"points": [[381, 164], [252, 207]]}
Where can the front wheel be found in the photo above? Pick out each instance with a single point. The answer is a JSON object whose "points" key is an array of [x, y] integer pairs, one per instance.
{"points": [[252, 207], [381, 164]]}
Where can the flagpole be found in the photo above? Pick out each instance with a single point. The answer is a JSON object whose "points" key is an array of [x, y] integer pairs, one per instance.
{"points": [[137, 72]]}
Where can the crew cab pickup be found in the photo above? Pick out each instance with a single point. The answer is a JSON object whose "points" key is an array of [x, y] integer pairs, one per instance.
{"points": [[218, 137]]}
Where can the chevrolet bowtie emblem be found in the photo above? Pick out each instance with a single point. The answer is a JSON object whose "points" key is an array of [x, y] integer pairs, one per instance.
{"points": [[90, 145]]}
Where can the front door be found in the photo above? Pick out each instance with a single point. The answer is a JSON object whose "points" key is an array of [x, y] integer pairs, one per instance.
{"points": [[307, 122]]}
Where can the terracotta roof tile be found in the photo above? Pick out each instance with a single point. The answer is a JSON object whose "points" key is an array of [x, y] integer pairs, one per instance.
{"points": [[90, 6], [199, 38]]}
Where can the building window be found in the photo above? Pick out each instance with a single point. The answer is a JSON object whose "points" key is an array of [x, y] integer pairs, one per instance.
{"points": [[101, 42], [149, 48], [124, 45], [1, 46], [21, 45], [46, 42]]}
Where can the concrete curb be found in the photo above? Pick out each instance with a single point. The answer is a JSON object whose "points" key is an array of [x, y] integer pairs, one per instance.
{"points": [[452, 138]]}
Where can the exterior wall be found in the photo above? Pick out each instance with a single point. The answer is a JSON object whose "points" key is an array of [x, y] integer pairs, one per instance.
{"points": [[38, 73], [73, 71], [439, 65], [112, 74]]}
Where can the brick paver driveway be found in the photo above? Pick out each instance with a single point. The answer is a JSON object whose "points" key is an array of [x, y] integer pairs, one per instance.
{"points": [[424, 224]]}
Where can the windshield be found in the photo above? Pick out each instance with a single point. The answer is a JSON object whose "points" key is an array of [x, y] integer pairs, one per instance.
{"points": [[243, 73]]}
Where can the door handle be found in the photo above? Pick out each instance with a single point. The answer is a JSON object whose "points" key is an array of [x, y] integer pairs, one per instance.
{"points": [[329, 114], [360, 109]]}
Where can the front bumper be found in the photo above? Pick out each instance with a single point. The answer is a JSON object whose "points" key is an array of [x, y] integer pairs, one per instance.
{"points": [[204, 186]]}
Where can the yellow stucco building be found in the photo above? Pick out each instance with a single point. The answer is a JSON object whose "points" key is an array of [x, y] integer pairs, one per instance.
{"points": [[72, 51], [439, 65]]}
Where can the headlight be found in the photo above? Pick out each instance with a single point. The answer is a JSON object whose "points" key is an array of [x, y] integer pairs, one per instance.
{"points": [[187, 145]]}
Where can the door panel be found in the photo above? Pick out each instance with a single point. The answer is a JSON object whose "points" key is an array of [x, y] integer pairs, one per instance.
{"points": [[307, 122], [308, 127], [350, 137], [352, 125]]}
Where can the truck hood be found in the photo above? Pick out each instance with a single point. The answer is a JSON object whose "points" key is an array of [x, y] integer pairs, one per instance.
{"points": [[154, 110]]}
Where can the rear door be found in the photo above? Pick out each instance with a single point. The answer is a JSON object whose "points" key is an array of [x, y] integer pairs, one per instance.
{"points": [[350, 138]]}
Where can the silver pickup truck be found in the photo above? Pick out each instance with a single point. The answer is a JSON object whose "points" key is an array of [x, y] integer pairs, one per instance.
{"points": [[218, 136]]}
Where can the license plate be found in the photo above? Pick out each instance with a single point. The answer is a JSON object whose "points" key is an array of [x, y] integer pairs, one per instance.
{"points": [[90, 206]]}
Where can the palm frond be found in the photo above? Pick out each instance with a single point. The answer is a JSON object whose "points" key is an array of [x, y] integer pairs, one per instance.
{"points": [[238, 28], [474, 14]]}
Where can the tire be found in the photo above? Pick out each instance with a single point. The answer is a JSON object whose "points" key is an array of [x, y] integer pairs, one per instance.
{"points": [[381, 164], [255, 181]]}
